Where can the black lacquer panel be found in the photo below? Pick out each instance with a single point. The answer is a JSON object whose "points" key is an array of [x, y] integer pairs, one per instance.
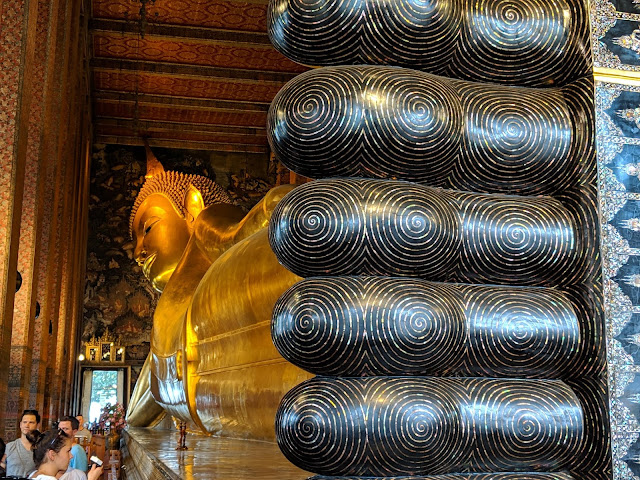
{"points": [[385, 122], [526, 42], [465, 476], [476, 142], [393, 426], [377, 227], [402, 326]]}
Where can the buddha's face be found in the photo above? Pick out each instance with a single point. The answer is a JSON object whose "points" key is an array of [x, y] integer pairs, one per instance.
{"points": [[161, 235]]}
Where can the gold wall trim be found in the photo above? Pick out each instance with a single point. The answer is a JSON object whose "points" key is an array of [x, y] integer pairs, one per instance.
{"points": [[622, 77]]}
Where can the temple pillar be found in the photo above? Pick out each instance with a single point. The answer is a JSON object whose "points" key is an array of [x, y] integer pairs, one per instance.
{"points": [[44, 159], [46, 191], [68, 223], [24, 321], [17, 47]]}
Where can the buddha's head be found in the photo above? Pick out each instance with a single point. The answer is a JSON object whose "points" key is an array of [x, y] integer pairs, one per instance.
{"points": [[164, 215]]}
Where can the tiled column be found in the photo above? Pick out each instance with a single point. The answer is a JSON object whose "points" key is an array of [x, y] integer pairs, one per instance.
{"points": [[17, 44], [22, 340], [45, 195], [70, 146]]}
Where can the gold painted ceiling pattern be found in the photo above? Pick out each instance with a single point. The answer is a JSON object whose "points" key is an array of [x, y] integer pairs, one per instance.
{"points": [[184, 73], [243, 16]]}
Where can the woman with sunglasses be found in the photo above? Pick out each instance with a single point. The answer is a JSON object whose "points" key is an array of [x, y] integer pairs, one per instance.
{"points": [[51, 454]]}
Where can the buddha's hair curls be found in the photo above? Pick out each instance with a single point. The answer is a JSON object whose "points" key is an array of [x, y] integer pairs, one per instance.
{"points": [[175, 185]]}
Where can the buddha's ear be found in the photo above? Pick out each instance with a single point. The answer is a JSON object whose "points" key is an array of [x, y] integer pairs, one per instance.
{"points": [[193, 204]]}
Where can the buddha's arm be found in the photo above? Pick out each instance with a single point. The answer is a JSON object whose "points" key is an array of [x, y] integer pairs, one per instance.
{"points": [[143, 411]]}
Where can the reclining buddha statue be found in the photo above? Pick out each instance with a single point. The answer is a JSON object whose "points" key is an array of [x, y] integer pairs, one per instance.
{"points": [[212, 360]]}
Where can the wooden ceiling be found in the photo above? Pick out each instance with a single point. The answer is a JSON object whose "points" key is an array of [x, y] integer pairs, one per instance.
{"points": [[196, 74]]}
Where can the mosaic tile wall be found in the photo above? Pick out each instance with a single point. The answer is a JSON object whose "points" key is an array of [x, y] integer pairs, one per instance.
{"points": [[619, 164], [616, 34], [616, 45]]}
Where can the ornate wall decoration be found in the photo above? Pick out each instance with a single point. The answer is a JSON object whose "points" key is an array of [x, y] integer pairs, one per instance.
{"points": [[203, 52], [185, 86], [618, 154], [203, 13], [615, 39]]}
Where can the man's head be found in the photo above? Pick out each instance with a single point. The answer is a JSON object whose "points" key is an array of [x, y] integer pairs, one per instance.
{"points": [[69, 425], [162, 219], [29, 421], [80, 419]]}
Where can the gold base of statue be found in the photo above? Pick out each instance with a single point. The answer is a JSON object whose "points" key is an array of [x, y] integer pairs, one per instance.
{"points": [[150, 453]]}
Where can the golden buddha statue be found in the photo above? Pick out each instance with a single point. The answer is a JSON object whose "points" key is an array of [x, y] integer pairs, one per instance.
{"points": [[212, 360]]}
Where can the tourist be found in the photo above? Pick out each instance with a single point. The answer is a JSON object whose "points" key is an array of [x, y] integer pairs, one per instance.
{"points": [[69, 425], [83, 432], [18, 459], [52, 453], [2, 448]]}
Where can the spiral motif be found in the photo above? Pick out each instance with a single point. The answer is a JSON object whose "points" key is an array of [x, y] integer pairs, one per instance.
{"points": [[373, 227], [515, 420], [517, 42], [594, 454], [411, 224], [305, 322], [528, 332], [462, 476], [330, 429], [353, 326], [398, 426], [515, 140], [523, 240], [385, 122], [403, 421], [533, 35], [421, 22], [313, 219]]}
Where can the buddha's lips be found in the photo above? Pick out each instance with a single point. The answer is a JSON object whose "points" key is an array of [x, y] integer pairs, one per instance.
{"points": [[146, 266]]}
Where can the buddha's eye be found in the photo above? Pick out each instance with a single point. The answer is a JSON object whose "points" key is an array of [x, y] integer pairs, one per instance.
{"points": [[148, 224]]}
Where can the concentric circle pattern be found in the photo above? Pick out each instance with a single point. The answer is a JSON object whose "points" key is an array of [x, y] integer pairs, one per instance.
{"points": [[464, 476], [378, 227], [385, 122], [393, 426], [516, 420], [324, 422], [517, 42], [355, 326], [522, 240], [502, 154]]}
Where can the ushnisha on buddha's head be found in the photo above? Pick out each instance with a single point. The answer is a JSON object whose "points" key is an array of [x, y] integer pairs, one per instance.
{"points": [[163, 217]]}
